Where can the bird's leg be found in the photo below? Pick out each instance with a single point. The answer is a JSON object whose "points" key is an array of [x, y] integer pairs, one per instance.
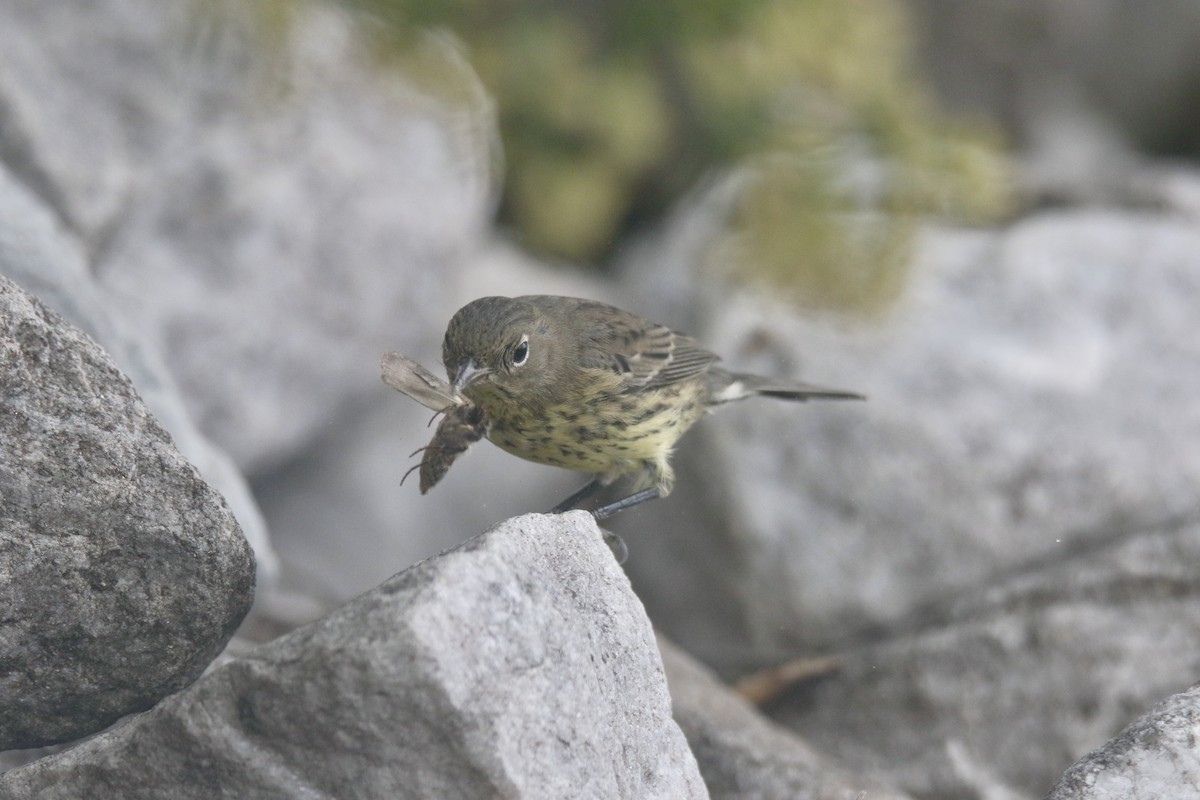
{"points": [[607, 510], [586, 491]]}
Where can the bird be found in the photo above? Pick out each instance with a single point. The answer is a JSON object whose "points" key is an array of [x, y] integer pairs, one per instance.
{"points": [[587, 386]]}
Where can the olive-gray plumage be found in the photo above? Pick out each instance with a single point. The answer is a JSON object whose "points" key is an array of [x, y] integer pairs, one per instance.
{"points": [[587, 386]]}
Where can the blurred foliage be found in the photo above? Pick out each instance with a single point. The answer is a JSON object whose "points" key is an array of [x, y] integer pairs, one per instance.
{"points": [[610, 111]]}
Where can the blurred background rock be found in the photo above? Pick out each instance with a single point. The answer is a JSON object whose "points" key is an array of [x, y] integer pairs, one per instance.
{"points": [[983, 215]]}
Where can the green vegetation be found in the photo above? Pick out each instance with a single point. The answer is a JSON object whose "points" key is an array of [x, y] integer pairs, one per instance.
{"points": [[611, 111]]}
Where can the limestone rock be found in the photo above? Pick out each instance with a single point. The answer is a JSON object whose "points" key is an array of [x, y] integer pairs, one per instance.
{"points": [[122, 574], [46, 259], [518, 665], [1029, 397], [996, 541], [1004, 687]]}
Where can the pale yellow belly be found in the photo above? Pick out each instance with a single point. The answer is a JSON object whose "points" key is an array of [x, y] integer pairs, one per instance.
{"points": [[610, 435]]}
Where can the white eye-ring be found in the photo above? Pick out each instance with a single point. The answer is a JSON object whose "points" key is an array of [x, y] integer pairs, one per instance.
{"points": [[520, 353]]}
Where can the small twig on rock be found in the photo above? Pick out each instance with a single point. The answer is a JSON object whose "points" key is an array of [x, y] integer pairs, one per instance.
{"points": [[766, 684]]}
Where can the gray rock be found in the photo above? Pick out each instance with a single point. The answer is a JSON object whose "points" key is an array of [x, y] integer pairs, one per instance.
{"points": [[274, 216], [743, 755], [1029, 396], [1155, 757], [46, 259], [518, 665], [999, 691], [996, 540], [122, 574]]}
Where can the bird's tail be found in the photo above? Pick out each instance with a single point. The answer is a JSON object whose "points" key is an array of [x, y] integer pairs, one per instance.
{"points": [[729, 386]]}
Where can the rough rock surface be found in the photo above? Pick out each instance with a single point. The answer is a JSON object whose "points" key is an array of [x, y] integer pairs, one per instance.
{"points": [[518, 665], [1154, 757], [1013, 418], [1016, 680], [47, 260], [744, 756], [122, 574], [998, 536]]}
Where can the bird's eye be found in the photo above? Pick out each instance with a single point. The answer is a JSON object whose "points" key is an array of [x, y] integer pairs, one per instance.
{"points": [[521, 352]]}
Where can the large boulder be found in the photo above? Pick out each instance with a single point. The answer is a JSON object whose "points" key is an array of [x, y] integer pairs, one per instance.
{"points": [[122, 574], [996, 541], [998, 691], [42, 256], [1029, 398], [518, 665]]}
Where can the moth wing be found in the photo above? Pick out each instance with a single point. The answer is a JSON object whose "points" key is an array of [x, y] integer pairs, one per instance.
{"points": [[407, 376]]}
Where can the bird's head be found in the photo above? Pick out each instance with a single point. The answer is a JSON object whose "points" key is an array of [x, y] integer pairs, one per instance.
{"points": [[501, 349]]}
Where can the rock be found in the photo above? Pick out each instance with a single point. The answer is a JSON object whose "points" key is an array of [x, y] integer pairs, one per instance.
{"points": [[47, 260], [998, 691], [518, 665], [742, 754], [1028, 397], [122, 574], [1154, 757], [994, 540], [273, 215]]}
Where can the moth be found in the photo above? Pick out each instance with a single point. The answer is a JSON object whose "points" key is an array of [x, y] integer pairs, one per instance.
{"points": [[463, 423]]}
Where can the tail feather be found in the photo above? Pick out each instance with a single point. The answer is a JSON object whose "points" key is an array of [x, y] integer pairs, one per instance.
{"points": [[728, 387]]}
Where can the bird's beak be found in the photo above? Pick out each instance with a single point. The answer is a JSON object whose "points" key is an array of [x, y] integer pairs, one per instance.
{"points": [[468, 372]]}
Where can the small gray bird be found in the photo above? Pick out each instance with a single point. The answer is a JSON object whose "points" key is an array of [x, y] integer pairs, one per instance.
{"points": [[586, 386]]}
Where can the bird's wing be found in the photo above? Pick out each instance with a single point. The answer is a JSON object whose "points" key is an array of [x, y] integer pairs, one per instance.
{"points": [[643, 353], [661, 356]]}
